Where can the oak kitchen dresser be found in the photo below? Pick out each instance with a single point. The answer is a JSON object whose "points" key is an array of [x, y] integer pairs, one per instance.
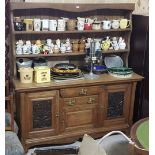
{"points": [[61, 112]]}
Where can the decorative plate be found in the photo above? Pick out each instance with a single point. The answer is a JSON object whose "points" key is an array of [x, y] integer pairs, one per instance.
{"points": [[65, 68], [113, 61]]}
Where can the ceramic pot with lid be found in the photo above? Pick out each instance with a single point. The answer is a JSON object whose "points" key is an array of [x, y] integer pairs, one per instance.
{"points": [[96, 25], [19, 25]]}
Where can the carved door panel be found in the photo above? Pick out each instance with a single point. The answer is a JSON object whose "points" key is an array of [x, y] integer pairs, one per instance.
{"points": [[42, 113], [115, 105], [79, 113]]}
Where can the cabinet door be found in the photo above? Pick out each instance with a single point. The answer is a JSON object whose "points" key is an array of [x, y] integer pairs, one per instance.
{"points": [[115, 105], [79, 113], [42, 113]]}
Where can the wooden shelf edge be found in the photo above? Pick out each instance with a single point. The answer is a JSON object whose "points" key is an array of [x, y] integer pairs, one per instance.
{"points": [[49, 55], [115, 51], [75, 31], [72, 7], [67, 54]]}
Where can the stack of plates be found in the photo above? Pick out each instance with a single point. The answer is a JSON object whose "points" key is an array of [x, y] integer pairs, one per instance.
{"points": [[65, 71], [121, 72]]}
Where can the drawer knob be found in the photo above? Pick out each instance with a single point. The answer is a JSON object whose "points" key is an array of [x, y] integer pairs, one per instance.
{"points": [[71, 103], [57, 115], [83, 91], [91, 100]]}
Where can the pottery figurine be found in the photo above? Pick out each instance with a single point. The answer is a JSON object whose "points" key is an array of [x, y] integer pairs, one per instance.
{"points": [[19, 47], [68, 45], [63, 48], [35, 49], [121, 43], [106, 44]]}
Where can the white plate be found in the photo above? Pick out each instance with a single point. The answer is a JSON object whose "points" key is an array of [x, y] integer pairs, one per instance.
{"points": [[113, 61]]}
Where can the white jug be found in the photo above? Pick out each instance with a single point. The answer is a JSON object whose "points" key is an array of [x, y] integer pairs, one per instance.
{"points": [[106, 24]]}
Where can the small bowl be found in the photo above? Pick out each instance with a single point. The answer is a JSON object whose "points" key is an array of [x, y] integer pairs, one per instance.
{"points": [[24, 62], [99, 68]]}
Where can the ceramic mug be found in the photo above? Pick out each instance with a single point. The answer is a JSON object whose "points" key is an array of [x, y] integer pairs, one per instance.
{"points": [[124, 23], [52, 25], [115, 24], [80, 25], [61, 25], [37, 24], [29, 24], [45, 25], [106, 24], [87, 26]]}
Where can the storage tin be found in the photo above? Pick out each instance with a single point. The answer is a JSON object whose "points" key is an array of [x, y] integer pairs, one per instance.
{"points": [[42, 74]]}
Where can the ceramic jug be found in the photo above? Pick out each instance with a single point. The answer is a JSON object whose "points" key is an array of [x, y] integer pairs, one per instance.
{"points": [[115, 24], [106, 24], [80, 25], [37, 24], [61, 25], [53, 25], [124, 23]]}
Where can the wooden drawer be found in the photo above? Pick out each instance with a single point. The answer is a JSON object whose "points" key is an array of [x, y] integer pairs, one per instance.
{"points": [[79, 91], [85, 100]]}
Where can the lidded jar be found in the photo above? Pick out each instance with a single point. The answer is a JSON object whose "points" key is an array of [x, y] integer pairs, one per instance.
{"points": [[71, 24], [19, 25]]}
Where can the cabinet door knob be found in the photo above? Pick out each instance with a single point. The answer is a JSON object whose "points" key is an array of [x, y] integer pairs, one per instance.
{"points": [[91, 100], [83, 91], [57, 115], [71, 103]]}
